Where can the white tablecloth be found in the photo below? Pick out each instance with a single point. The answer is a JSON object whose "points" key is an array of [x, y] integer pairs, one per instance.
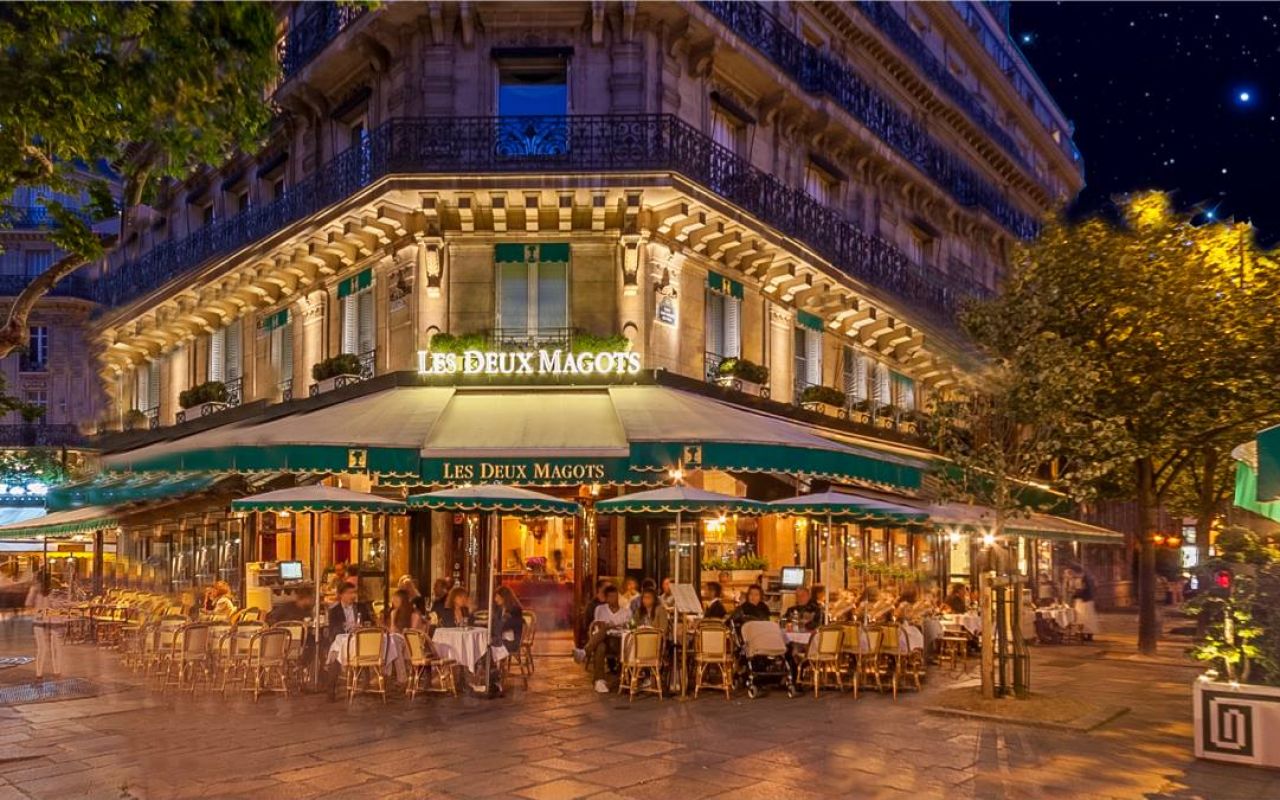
{"points": [[391, 652], [1063, 615], [797, 637], [465, 645], [971, 622]]}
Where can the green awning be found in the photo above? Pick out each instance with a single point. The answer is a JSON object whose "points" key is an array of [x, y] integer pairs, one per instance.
{"points": [[1246, 495], [1269, 465], [318, 498], [277, 320], [719, 283], [114, 490], [683, 499], [62, 523], [494, 497], [356, 283], [957, 517], [506, 253], [845, 506], [811, 321]]}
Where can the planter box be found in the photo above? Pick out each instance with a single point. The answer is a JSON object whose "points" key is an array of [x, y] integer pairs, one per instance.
{"points": [[823, 408], [202, 410], [1237, 723], [740, 385], [336, 382]]}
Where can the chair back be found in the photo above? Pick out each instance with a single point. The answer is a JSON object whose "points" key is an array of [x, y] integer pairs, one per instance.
{"points": [[642, 647], [530, 626], [194, 639], [365, 647], [891, 639], [851, 644], [270, 645], [218, 632], [481, 618], [250, 614], [825, 643], [296, 630], [241, 638], [872, 641], [712, 640], [174, 611], [416, 643]]}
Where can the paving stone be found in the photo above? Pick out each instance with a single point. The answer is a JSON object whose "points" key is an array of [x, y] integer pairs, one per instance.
{"points": [[561, 789]]}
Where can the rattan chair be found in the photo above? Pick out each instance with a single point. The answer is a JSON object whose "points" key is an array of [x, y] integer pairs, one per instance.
{"points": [[858, 649], [297, 641], [713, 648], [365, 649], [953, 648], [889, 660], [442, 669], [523, 658], [822, 657], [234, 661], [189, 658], [268, 661], [641, 655]]}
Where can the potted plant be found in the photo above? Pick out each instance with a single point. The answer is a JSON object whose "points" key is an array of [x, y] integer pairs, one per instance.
{"points": [[206, 398], [584, 342], [744, 376], [134, 420], [861, 411], [335, 372], [458, 342], [823, 399], [1237, 699], [743, 571]]}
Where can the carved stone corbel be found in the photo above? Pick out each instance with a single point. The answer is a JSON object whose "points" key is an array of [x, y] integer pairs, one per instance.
{"points": [[431, 262]]}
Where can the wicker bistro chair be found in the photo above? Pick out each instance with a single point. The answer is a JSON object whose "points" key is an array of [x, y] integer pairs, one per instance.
{"points": [[641, 654], [822, 656], [365, 649], [896, 661], [868, 662], [953, 648], [442, 670], [268, 661], [424, 662], [158, 645], [233, 658], [858, 652], [524, 658], [189, 658], [713, 647], [297, 641]]}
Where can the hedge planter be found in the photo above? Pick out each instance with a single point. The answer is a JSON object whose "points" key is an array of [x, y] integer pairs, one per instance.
{"points": [[335, 382], [1237, 722], [744, 386], [823, 408]]}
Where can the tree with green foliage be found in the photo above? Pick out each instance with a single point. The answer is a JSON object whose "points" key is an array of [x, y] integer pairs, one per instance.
{"points": [[1172, 327], [141, 90]]}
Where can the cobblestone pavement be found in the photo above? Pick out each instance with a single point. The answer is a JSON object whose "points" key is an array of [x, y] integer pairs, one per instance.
{"points": [[557, 739]]}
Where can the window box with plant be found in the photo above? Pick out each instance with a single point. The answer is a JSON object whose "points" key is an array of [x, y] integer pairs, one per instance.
{"points": [[335, 372], [207, 398], [744, 376], [135, 420], [824, 400], [743, 572]]}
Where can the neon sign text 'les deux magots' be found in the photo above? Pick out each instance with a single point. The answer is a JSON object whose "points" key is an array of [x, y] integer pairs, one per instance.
{"points": [[528, 362]]}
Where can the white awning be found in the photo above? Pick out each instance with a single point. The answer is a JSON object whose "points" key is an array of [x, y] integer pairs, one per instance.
{"points": [[982, 519]]}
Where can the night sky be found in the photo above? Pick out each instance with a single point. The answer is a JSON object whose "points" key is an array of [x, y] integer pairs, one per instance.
{"points": [[1178, 96]]}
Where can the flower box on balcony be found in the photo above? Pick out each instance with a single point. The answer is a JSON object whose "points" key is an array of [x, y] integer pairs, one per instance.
{"points": [[208, 398], [743, 376], [824, 400], [335, 372]]}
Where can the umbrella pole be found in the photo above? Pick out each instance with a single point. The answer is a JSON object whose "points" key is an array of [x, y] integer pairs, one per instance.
{"points": [[319, 602], [676, 633], [828, 581], [493, 578]]}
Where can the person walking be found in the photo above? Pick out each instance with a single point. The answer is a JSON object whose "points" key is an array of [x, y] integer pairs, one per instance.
{"points": [[50, 626]]}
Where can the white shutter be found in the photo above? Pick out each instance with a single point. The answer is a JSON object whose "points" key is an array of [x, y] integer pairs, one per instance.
{"points": [[349, 325], [553, 295], [153, 384], [513, 296], [732, 327], [715, 323], [848, 372], [880, 388], [859, 376], [286, 351], [813, 357], [367, 336], [232, 345], [141, 389], [217, 355]]}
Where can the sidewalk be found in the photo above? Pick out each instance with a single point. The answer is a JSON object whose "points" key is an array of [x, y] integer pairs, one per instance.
{"points": [[560, 740]]}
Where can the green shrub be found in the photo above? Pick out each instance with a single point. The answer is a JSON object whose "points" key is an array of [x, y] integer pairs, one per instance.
{"points": [[341, 364], [134, 420], [584, 342], [458, 342], [822, 394], [207, 392], [749, 561], [743, 369]]}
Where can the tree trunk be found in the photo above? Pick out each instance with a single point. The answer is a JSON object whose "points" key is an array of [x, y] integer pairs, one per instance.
{"points": [[1148, 620], [1207, 503]]}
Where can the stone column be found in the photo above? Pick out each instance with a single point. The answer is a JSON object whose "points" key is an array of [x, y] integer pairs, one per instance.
{"points": [[781, 357]]}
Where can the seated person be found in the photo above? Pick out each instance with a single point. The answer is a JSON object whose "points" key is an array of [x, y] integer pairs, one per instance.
{"points": [[667, 595], [457, 612], [296, 609], [611, 617], [583, 632], [753, 609], [806, 613], [648, 584], [651, 613], [905, 609], [402, 615], [630, 592], [507, 624], [439, 597], [957, 601], [224, 605], [715, 608]]}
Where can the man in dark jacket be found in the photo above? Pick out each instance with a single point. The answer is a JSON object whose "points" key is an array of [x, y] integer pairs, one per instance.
{"points": [[806, 612]]}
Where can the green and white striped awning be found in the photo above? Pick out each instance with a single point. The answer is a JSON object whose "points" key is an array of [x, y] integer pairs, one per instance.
{"points": [[318, 498], [115, 489], [980, 519], [494, 497], [684, 499], [62, 523], [845, 506]]}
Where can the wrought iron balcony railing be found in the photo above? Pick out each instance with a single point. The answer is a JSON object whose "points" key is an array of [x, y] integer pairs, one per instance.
{"points": [[36, 434], [557, 145], [322, 24], [75, 285], [822, 73], [531, 338], [21, 217]]}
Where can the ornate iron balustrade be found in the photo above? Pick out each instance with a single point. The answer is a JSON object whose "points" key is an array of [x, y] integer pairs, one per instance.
{"points": [[286, 389], [822, 73], [75, 285], [368, 368], [19, 217], [711, 368], [626, 143], [531, 339], [36, 434], [321, 25]]}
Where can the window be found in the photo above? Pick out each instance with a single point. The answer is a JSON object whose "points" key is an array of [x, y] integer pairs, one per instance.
{"points": [[35, 262], [146, 386], [38, 398], [224, 353], [819, 185], [242, 201], [808, 351], [533, 290], [920, 246], [533, 88], [726, 130], [206, 214], [277, 188], [724, 318], [358, 138], [279, 327], [854, 375], [358, 332], [36, 358], [881, 390], [904, 391]]}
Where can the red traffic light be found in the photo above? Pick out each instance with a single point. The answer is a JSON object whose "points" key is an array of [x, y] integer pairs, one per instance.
{"points": [[1223, 579]]}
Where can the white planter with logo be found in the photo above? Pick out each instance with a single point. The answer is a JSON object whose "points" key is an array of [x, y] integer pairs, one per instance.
{"points": [[1237, 722]]}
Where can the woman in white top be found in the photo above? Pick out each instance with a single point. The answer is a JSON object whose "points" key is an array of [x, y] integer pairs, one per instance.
{"points": [[50, 627]]}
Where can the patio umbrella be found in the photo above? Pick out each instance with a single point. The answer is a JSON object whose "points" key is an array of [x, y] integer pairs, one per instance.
{"points": [[493, 498], [844, 506], [680, 499], [314, 499]]}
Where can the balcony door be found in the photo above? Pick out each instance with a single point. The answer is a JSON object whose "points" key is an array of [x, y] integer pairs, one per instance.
{"points": [[533, 101], [533, 295]]}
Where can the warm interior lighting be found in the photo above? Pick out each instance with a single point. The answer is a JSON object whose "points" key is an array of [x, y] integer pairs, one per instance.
{"points": [[988, 539]]}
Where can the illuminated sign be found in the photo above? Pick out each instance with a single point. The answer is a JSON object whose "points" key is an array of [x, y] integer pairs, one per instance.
{"points": [[528, 362], [522, 472]]}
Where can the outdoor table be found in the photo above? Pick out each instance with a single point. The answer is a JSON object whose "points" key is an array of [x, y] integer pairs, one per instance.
{"points": [[465, 645], [392, 652], [970, 621], [797, 637], [1064, 616]]}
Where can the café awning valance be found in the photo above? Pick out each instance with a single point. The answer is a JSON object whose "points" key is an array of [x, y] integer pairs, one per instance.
{"points": [[62, 523], [318, 498], [845, 506], [685, 499], [494, 497], [962, 516]]}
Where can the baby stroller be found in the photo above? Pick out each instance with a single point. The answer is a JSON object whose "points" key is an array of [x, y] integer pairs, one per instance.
{"points": [[763, 658]]}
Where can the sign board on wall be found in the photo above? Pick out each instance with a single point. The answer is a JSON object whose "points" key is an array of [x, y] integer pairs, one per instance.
{"points": [[528, 362]]}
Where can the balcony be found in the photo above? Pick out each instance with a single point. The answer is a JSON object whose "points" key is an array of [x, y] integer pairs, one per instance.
{"points": [[76, 285], [234, 389], [556, 145], [32, 217], [35, 434], [505, 339], [821, 73], [321, 25]]}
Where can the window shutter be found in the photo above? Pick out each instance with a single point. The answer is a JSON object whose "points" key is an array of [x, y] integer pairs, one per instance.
{"points": [[349, 324], [232, 345], [881, 394], [153, 385], [513, 296], [367, 341], [859, 376], [813, 357], [732, 327], [800, 356], [286, 352], [553, 294], [849, 372], [217, 355], [715, 323], [141, 388]]}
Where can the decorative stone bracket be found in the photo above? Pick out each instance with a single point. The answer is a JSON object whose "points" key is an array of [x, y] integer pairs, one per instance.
{"points": [[431, 263]]}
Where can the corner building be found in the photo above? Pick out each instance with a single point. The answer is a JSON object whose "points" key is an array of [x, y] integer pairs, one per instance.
{"points": [[708, 211]]}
